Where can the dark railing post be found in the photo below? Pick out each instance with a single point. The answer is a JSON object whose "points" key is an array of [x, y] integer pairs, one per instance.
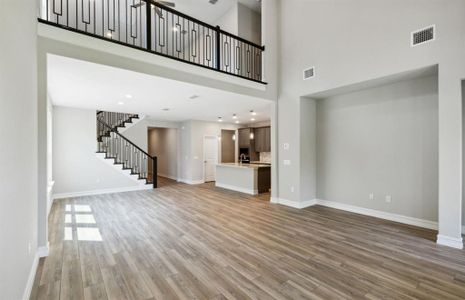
{"points": [[218, 48], [154, 172], [148, 19]]}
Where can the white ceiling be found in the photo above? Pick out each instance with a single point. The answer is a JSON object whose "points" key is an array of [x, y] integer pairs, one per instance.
{"points": [[255, 5], [81, 84], [210, 13]]}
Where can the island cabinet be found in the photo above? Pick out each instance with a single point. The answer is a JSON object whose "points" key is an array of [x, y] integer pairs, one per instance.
{"points": [[262, 139]]}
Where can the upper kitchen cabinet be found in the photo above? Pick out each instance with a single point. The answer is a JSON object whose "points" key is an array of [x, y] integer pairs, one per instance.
{"points": [[262, 139], [244, 137]]}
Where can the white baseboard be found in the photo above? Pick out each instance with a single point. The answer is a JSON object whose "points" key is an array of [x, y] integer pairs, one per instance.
{"points": [[191, 182], [450, 241], [31, 277], [237, 188], [380, 214], [274, 200], [168, 176], [104, 191], [43, 251], [294, 204]]}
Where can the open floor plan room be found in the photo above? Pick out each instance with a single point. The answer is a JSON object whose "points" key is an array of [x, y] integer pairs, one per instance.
{"points": [[202, 242], [232, 149]]}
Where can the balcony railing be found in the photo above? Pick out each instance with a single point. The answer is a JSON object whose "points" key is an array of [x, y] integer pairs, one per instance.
{"points": [[153, 27]]}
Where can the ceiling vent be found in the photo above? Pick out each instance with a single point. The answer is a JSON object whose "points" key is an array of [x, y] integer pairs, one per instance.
{"points": [[309, 73], [213, 1], [423, 36]]}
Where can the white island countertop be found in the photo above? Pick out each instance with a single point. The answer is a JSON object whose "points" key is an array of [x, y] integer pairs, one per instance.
{"points": [[239, 165]]}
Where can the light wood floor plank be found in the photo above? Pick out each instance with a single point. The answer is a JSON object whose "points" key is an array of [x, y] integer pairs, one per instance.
{"points": [[201, 242]]}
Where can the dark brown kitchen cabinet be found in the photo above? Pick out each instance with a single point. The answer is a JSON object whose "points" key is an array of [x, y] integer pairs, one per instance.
{"points": [[263, 139], [244, 137]]}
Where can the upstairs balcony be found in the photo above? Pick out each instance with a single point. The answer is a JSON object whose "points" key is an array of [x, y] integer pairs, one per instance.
{"points": [[153, 27]]}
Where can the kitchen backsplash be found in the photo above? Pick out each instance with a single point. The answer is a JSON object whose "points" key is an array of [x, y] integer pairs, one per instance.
{"points": [[265, 157]]}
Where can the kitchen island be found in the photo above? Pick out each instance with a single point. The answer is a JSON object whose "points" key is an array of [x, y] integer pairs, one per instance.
{"points": [[251, 179]]}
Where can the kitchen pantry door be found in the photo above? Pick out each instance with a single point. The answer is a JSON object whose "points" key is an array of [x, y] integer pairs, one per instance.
{"points": [[210, 157]]}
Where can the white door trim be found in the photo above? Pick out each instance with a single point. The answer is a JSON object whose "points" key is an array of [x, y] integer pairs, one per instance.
{"points": [[203, 148]]}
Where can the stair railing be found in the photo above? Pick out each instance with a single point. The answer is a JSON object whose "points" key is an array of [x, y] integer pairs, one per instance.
{"points": [[125, 152], [150, 26]]}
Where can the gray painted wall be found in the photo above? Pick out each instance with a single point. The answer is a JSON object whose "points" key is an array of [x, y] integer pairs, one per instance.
{"points": [[249, 24], [347, 52], [463, 155], [192, 137], [75, 165], [18, 135], [163, 143], [382, 140]]}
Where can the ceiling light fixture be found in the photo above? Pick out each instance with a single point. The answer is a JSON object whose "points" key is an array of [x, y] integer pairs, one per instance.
{"points": [[129, 96], [237, 122], [253, 113], [194, 97], [234, 137], [234, 116], [165, 109], [220, 119], [120, 103], [253, 119]]}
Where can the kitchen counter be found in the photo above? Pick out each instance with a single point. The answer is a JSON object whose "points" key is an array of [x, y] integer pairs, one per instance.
{"points": [[245, 178], [251, 165]]}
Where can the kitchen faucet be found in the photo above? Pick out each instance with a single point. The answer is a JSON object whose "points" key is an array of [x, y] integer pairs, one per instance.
{"points": [[242, 157]]}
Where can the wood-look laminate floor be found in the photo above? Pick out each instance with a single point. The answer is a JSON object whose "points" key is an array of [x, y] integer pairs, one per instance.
{"points": [[199, 242]]}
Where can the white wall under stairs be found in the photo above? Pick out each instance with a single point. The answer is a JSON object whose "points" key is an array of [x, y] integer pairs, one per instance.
{"points": [[77, 170]]}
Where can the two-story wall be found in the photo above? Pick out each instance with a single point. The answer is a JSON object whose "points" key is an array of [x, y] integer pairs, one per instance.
{"points": [[355, 45]]}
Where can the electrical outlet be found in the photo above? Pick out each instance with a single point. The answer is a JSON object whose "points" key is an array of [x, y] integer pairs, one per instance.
{"points": [[371, 196], [388, 198], [292, 189], [287, 162]]}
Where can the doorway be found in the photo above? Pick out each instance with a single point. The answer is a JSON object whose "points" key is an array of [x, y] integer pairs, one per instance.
{"points": [[210, 157], [163, 143]]}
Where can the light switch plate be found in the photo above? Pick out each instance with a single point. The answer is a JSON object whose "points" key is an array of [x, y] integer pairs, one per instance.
{"points": [[286, 146], [287, 162]]}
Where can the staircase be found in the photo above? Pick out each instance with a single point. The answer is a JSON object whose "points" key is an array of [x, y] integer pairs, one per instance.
{"points": [[121, 152]]}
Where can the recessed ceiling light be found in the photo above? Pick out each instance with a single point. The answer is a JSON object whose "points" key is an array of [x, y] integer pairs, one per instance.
{"points": [[253, 113], [129, 96], [194, 97], [234, 116], [237, 122], [120, 103], [220, 119], [253, 119], [165, 109]]}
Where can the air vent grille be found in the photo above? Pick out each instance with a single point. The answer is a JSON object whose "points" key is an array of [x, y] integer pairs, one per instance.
{"points": [[309, 73], [423, 35]]}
